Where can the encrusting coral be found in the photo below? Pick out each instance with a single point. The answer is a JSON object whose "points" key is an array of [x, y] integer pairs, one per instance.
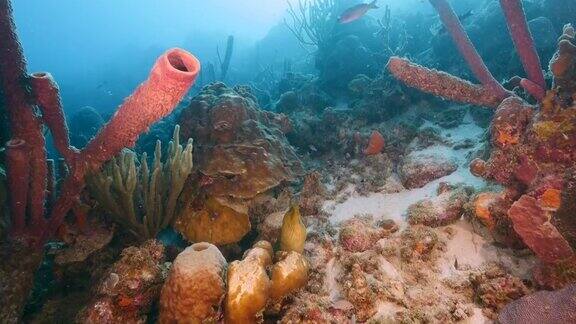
{"points": [[141, 198], [128, 289], [542, 307], [195, 287]]}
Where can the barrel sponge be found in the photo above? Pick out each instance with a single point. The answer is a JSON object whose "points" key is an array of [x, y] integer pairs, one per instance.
{"points": [[288, 275], [249, 285], [195, 286]]}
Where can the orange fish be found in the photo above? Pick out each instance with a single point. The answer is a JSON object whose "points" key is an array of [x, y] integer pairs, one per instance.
{"points": [[375, 144], [356, 12]]}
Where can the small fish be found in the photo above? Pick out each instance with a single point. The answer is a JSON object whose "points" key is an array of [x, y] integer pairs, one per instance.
{"points": [[441, 30], [356, 12]]}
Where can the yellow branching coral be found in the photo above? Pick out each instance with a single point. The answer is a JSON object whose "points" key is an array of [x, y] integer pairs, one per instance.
{"points": [[141, 198]]}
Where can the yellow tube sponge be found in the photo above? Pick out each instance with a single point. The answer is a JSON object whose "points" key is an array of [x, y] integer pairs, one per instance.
{"points": [[288, 275], [195, 287], [248, 285], [293, 232]]}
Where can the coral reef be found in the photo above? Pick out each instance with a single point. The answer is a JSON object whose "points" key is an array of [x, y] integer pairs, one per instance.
{"points": [[129, 288], [140, 198], [177, 66], [531, 149], [33, 101], [241, 152], [195, 286]]}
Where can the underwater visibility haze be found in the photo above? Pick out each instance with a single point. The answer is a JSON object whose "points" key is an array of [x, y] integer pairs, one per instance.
{"points": [[288, 161]]}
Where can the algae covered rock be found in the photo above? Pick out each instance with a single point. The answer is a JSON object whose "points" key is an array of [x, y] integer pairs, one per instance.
{"points": [[418, 170], [195, 286]]}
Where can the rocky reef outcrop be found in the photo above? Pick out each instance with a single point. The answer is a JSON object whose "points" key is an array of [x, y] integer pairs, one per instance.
{"points": [[240, 152]]}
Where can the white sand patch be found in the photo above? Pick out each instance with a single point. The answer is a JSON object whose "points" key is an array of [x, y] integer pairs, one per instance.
{"points": [[472, 250], [394, 205]]}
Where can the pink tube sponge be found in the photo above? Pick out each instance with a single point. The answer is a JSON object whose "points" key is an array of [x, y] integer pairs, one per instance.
{"points": [[441, 84], [170, 79], [466, 48], [48, 97], [523, 41], [18, 163]]}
